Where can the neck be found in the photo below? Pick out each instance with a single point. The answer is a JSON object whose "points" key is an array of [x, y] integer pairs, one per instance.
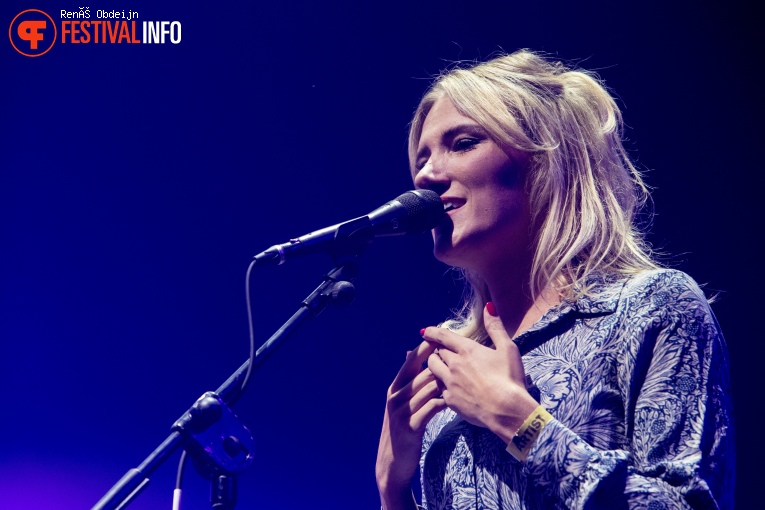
{"points": [[511, 294]]}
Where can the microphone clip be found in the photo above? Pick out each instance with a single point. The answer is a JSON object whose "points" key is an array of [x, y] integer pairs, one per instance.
{"points": [[351, 239]]}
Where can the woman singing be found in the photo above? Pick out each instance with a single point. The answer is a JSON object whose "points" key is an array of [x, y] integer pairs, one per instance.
{"points": [[579, 373]]}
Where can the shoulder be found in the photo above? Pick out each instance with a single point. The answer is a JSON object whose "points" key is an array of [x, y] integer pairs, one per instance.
{"points": [[667, 316], [663, 281], [641, 292], [660, 305], [664, 291]]}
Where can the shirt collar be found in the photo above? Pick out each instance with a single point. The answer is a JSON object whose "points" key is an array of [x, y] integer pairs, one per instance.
{"points": [[601, 299]]}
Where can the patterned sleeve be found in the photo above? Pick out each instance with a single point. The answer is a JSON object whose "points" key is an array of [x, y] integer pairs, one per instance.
{"points": [[673, 379]]}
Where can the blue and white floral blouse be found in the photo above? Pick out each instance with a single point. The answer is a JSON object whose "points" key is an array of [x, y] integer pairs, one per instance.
{"points": [[636, 377]]}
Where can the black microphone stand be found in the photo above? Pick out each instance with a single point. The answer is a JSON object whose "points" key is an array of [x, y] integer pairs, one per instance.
{"points": [[221, 446]]}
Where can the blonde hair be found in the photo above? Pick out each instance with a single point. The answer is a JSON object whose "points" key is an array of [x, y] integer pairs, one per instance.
{"points": [[584, 192]]}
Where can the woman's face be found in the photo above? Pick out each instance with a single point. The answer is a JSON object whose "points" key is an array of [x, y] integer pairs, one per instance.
{"points": [[490, 221]]}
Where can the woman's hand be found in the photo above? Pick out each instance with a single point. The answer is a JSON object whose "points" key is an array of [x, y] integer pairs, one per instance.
{"points": [[484, 386], [412, 402]]}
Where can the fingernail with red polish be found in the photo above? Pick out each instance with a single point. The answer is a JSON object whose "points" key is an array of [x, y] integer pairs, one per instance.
{"points": [[490, 309], [422, 332]]}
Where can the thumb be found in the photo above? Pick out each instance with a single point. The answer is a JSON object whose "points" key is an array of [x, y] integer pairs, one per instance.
{"points": [[494, 326], [503, 342]]}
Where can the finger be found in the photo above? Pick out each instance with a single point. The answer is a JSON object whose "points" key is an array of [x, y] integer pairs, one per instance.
{"points": [[422, 397], [423, 379], [445, 355], [428, 410], [502, 341], [437, 366], [413, 365], [446, 338], [404, 394], [415, 406]]}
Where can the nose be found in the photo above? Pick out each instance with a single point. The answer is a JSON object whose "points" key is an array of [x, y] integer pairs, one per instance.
{"points": [[432, 178]]}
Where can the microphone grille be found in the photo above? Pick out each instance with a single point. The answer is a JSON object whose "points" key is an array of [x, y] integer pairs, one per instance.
{"points": [[423, 209]]}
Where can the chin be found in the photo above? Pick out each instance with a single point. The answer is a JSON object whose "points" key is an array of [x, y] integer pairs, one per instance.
{"points": [[447, 253], [463, 252], [453, 248]]}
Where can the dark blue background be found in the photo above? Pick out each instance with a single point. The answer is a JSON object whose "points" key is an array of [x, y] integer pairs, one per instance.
{"points": [[137, 181]]}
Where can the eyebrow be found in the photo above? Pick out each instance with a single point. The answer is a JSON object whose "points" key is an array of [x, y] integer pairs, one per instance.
{"points": [[453, 131]]}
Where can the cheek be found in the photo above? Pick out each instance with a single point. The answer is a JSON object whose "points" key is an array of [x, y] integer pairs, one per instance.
{"points": [[509, 213], [505, 198], [500, 201], [510, 177]]}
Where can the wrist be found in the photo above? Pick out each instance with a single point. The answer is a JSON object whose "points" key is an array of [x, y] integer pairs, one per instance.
{"points": [[508, 423], [522, 441]]}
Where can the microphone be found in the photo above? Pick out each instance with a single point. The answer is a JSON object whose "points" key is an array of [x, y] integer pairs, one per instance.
{"points": [[410, 213]]}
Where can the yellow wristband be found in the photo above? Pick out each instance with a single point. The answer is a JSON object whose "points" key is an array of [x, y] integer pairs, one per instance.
{"points": [[521, 443]]}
